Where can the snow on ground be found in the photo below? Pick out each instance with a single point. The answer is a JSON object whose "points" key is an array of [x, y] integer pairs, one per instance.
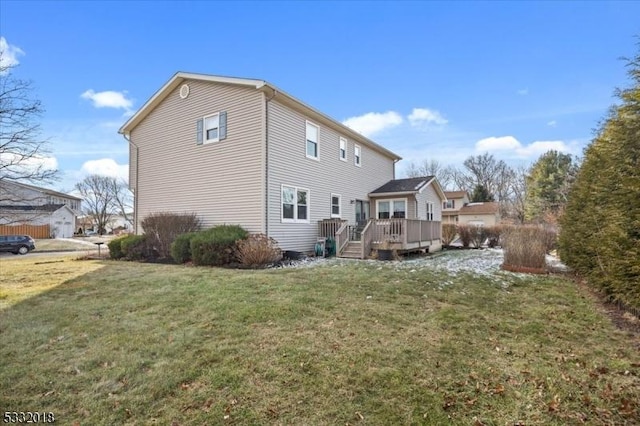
{"points": [[484, 263]]}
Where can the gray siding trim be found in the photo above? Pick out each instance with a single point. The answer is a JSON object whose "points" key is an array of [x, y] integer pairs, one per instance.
{"points": [[288, 165]]}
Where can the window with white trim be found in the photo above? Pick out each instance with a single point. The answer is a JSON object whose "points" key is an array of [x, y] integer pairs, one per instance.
{"points": [[356, 156], [449, 204], [391, 209], [295, 204], [212, 128], [343, 149], [335, 205], [313, 133], [429, 211]]}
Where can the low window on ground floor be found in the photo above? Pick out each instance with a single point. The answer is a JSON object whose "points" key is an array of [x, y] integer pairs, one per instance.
{"points": [[295, 204], [392, 209]]}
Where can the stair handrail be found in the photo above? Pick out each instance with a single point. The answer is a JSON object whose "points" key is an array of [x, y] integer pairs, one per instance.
{"points": [[342, 237], [366, 237]]}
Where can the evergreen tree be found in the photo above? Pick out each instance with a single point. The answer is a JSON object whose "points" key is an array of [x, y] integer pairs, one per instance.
{"points": [[481, 194], [600, 234], [548, 184]]}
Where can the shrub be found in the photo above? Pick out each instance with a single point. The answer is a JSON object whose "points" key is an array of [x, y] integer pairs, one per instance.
{"points": [[163, 228], [216, 246], [136, 247], [478, 235], [257, 250], [524, 247], [115, 248], [464, 231], [493, 235], [550, 238], [181, 247], [449, 233]]}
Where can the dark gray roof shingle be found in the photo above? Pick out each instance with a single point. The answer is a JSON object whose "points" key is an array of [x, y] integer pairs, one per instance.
{"points": [[403, 185]]}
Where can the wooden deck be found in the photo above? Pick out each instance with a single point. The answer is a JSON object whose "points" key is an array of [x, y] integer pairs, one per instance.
{"points": [[397, 234]]}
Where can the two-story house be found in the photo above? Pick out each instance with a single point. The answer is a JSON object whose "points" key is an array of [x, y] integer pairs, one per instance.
{"points": [[451, 207], [458, 210], [242, 151], [39, 212]]}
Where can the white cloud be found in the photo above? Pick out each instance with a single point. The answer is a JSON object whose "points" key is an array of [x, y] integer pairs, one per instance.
{"points": [[503, 143], [538, 148], [423, 115], [511, 144], [552, 123], [10, 53], [109, 99], [523, 92], [373, 122], [19, 164], [105, 167]]}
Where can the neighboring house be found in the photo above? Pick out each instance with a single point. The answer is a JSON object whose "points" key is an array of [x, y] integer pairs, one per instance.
{"points": [[40, 212], [116, 224], [451, 207], [480, 214], [242, 151]]}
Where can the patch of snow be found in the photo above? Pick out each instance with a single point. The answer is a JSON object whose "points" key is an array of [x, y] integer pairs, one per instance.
{"points": [[555, 264]]}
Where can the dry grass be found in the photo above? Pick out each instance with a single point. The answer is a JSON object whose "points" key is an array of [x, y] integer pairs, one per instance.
{"points": [[347, 343], [25, 277]]}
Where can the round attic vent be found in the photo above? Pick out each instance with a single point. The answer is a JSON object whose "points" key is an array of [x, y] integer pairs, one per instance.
{"points": [[184, 91]]}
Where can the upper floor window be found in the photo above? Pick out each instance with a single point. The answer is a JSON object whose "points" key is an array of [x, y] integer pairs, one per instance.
{"points": [[212, 128], [343, 149], [295, 204], [312, 140], [357, 160], [449, 204]]}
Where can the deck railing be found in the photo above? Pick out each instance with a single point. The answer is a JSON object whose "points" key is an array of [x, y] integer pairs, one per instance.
{"points": [[405, 230], [401, 233], [327, 228]]}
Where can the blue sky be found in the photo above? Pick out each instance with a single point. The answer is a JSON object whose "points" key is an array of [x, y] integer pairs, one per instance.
{"points": [[441, 80]]}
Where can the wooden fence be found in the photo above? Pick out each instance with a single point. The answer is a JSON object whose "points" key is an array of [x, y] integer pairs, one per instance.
{"points": [[35, 231]]}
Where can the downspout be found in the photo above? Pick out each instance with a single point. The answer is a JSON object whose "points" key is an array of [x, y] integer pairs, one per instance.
{"points": [[127, 136], [394, 168], [266, 161]]}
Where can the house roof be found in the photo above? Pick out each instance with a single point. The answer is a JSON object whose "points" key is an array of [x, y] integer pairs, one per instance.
{"points": [[262, 85], [408, 186], [456, 194], [480, 208], [44, 190], [24, 208], [404, 185]]}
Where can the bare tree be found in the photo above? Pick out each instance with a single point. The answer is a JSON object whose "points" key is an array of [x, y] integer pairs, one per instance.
{"points": [[122, 197], [431, 167], [99, 201], [514, 206], [486, 171], [22, 152]]}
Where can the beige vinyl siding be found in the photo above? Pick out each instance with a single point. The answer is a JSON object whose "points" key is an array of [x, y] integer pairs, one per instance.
{"points": [[486, 219], [289, 165], [222, 182], [429, 194]]}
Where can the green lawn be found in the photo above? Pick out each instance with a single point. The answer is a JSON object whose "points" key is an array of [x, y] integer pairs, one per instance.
{"points": [[342, 343]]}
